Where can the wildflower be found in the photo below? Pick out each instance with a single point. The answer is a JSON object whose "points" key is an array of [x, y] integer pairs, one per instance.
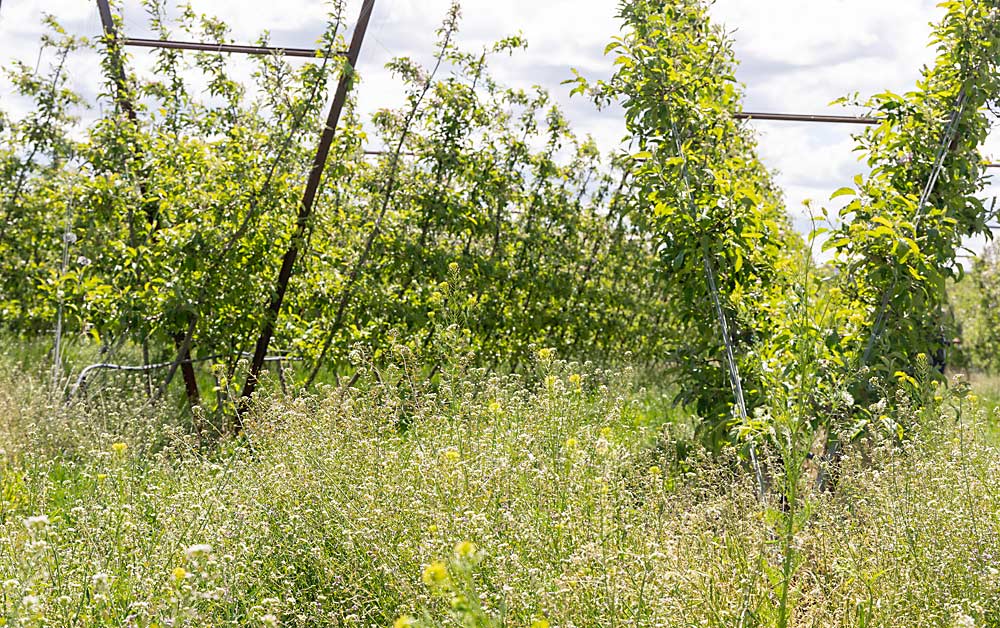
{"points": [[435, 574], [466, 549], [654, 470], [179, 573], [540, 622], [38, 522], [451, 454], [432, 528], [575, 379], [32, 604], [964, 621], [100, 581], [269, 620], [404, 622], [198, 551], [571, 443], [546, 354], [119, 448]]}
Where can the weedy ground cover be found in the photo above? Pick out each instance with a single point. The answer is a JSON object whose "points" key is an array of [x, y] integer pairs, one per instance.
{"points": [[551, 499]]}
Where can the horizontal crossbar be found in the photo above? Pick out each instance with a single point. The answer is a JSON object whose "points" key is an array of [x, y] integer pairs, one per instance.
{"points": [[310, 53], [795, 117]]}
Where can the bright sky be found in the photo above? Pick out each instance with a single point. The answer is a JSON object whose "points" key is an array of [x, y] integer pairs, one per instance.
{"points": [[796, 56]]}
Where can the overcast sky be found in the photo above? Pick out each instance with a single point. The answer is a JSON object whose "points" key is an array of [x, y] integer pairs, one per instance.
{"points": [[796, 56]]}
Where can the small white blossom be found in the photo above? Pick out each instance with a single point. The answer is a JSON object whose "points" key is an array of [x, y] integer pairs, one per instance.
{"points": [[39, 522], [31, 604], [198, 551], [964, 621]]}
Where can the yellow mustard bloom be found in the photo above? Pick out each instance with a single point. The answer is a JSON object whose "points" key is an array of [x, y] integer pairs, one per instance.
{"points": [[541, 622], [119, 448], [179, 573], [466, 549], [404, 622], [435, 574]]}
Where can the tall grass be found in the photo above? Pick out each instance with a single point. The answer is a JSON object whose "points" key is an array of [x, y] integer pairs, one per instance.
{"points": [[551, 500]]}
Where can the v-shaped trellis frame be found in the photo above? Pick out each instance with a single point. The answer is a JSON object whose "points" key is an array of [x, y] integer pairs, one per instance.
{"points": [[312, 184]]}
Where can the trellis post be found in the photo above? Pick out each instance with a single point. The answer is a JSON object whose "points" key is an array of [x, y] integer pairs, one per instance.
{"points": [[305, 209]]}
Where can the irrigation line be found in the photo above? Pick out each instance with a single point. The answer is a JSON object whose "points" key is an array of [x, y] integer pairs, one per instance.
{"points": [[107, 366], [735, 381]]}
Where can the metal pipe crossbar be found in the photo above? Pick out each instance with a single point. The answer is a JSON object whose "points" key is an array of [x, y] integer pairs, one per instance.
{"points": [[107, 21], [795, 117], [308, 53]]}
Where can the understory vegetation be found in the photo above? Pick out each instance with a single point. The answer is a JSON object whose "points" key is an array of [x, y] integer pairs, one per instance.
{"points": [[563, 498], [458, 367]]}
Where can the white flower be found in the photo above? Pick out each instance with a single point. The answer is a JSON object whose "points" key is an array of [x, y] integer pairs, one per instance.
{"points": [[269, 620], [964, 621], [39, 522], [31, 604], [198, 551], [100, 580]]}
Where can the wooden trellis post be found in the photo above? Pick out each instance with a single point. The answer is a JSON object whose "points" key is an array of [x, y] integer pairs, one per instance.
{"points": [[305, 208]]}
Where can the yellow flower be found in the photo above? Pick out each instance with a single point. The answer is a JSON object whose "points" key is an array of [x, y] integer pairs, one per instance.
{"points": [[119, 448], [451, 454], [466, 549], [570, 443], [179, 573], [432, 528], [404, 622], [546, 354], [574, 379], [435, 574], [541, 622], [654, 470]]}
